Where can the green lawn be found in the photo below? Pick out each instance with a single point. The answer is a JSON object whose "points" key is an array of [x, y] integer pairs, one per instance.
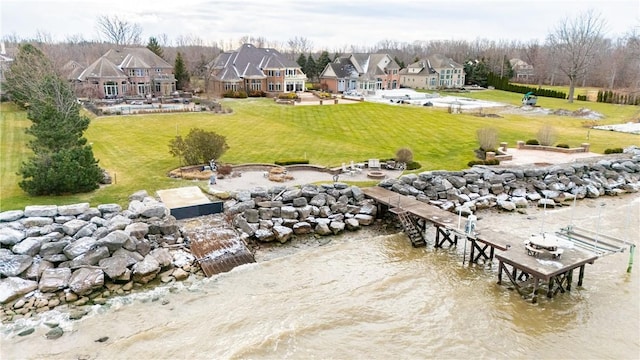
{"points": [[134, 149]]}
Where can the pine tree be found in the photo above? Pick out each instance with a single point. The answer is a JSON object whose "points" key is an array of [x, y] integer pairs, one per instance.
{"points": [[310, 68], [62, 162], [181, 73], [302, 61], [322, 62], [154, 46]]}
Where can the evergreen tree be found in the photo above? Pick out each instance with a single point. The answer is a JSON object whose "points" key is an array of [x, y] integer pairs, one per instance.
{"points": [[322, 62], [181, 73], [62, 162], [154, 46], [302, 61], [310, 68], [400, 63]]}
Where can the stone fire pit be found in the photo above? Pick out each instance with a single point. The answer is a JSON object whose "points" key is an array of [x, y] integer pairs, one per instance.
{"points": [[376, 174]]}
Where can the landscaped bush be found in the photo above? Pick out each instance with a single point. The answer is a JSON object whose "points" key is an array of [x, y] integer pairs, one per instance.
{"points": [[547, 135], [235, 94], [564, 146], [288, 96], [613, 151], [291, 162], [582, 97], [487, 138], [257, 93], [532, 142], [483, 162], [224, 170], [413, 165], [404, 155]]}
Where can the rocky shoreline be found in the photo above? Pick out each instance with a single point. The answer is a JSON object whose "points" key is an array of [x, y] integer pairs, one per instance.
{"points": [[74, 256]]}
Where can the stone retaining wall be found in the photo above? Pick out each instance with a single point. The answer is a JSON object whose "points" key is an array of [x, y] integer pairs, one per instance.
{"points": [[513, 188]]}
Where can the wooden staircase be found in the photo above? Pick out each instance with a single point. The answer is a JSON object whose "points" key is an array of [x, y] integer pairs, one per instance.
{"points": [[410, 229]]}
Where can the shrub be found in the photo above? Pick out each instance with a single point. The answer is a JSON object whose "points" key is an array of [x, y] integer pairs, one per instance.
{"points": [[487, 138], [198, 147], [291, 162], [532, 142], [613, 151], [564, 146], [413, 165], [224, 170], [547, 135], [483, 162], [257, 93], [235, 94], [404, 155], [288, 96]]}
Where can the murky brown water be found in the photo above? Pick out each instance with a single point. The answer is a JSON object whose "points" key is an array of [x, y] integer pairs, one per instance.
{"points": [[374, 298]]}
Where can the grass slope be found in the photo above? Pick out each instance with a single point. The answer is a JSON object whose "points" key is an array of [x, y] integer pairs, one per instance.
{"points": [[134, 149]]}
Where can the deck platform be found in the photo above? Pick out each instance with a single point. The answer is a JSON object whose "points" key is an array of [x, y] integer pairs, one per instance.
{"points": [[556, 274], [484, 245], [444, 221]]}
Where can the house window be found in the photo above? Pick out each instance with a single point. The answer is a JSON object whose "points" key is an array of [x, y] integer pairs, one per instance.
{"points": [[158, 70], [132, 72], [255, 84], [278, 86], [290, 72], [230, 86], [142, 88], [157, 87], [110, 89]]}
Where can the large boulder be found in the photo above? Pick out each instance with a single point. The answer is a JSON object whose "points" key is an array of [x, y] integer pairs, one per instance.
{"points": [[54, 279], [301, 228], [11, 215], [114, 241], [163, 256], [73, 209], [264, 235], [41, 211], [29, 246], [10, 236], [137, 229], [73, 226], [115, 266], [14, 265], [78, 247], [365, 219], [91, 257], [282, 233], [109, 208], [84, 281], [146, 270], [14, 287]]}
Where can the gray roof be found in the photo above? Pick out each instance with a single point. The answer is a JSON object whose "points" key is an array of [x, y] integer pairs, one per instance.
{"points": [[102, 68], [138, 58], [249, 61], [366, 65], [438, 61]]}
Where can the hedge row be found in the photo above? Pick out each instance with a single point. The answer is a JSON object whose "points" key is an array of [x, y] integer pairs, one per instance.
{"points": [[502, 83]]}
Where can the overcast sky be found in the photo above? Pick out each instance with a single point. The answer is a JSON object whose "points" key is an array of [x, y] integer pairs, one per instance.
{"points": [[327, 24]]}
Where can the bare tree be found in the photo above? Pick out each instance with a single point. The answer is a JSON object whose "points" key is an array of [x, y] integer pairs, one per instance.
{"points": [[573, 43], [299, 45], [119, 32]]}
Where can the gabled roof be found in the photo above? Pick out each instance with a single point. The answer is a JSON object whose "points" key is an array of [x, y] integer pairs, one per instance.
{"points": [[439, 61], [102, 68], [249, 61], [341, 68], [368, 66], [72, 70], [140, 58]]}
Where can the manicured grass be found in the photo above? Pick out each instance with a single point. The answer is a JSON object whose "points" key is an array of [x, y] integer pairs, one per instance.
{"points": [[134, 149]]}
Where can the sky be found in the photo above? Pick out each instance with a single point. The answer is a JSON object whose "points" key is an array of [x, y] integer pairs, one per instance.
{"points": [[326, 24]]}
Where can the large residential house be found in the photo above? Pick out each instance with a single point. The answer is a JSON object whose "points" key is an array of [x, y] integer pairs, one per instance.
{"points": [[364, 73], [253, 69], [522, 72], [126, 72], [435, 71]]}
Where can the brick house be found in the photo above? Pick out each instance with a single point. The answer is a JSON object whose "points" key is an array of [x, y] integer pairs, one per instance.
{"points": [[364, 73], [127, 72], [252, 69]]}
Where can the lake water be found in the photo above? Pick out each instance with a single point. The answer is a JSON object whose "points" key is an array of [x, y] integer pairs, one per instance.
{"points": [[366, 297]]}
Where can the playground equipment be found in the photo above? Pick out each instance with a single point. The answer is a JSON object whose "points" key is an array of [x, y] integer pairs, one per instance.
{"points": [[529, 99]]}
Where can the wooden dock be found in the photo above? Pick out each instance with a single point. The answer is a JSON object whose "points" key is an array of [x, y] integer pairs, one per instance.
{"points": [[444, 221], [528, 274], [556, 274]]}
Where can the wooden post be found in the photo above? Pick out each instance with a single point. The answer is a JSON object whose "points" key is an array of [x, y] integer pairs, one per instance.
{"points": [[569, 279], [632, 249], [535, 290], [581, 275], [499, 272]]}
